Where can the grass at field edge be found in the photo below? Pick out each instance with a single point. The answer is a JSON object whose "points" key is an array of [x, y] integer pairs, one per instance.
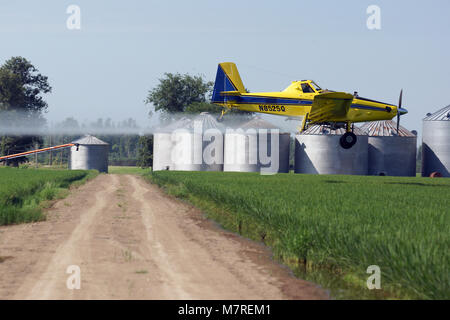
{"points": [[29, 206]]}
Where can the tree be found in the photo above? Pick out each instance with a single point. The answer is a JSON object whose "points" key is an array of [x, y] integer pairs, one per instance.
{"points": [[175, 92], [18, 143], [198, 107], [21, 104], [10, 89], [186, 93], [145, 154]]}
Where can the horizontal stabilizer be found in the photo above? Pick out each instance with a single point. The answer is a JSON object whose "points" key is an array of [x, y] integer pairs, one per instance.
{"points": [[230, 93]]}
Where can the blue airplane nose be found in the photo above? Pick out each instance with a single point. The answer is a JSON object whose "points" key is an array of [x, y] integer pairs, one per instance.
{"points": [[402, 111]]}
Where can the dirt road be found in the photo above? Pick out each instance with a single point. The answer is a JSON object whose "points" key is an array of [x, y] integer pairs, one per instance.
{"points": [[131, 241]]}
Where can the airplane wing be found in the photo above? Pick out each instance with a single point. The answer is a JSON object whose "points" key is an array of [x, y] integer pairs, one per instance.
{"points": [[330, 105]]}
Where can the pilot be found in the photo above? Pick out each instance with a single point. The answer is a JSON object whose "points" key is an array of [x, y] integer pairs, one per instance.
{"points": [[306, 88]]}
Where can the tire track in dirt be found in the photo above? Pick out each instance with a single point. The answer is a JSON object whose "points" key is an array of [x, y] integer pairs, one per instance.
{"points": [[204, 262], [71, 252]]}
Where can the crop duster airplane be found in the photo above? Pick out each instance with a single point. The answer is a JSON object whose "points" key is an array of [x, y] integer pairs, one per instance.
{"points": [[303, 99]]}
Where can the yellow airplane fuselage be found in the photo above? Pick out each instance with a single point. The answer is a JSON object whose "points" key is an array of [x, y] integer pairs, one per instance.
{"points": [[294, 103]]}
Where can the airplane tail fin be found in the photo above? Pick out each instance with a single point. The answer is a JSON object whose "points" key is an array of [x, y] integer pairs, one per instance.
{"points": [[228, 82]]}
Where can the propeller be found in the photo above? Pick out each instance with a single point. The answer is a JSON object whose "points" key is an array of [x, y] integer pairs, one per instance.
{"points": [[398, 111]]}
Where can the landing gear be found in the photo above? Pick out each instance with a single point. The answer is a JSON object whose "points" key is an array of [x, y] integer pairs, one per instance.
{"points": [[348, 140], [220, 118], [304, 122]]}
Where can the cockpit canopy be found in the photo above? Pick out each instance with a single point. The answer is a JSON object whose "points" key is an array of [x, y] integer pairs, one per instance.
{"points": [[309, 86], [305, 86]]}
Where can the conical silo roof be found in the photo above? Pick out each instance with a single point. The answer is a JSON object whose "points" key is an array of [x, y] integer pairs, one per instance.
{"points": [[187, 123], [208, 122], [324, 130], [387, 128], [258, 123], [440, 115], [171, 126], [90, 140]]}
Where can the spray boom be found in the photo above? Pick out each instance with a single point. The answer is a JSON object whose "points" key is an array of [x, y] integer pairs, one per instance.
{"points": [[27, 153]]}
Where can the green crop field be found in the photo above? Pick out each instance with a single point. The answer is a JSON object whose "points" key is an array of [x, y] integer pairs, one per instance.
{"points": [[128, 170], [23, 192], [341, 224]]}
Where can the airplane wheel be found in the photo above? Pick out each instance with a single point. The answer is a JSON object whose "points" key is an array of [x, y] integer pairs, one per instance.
{"points": [[348, 140], [219, 119]]}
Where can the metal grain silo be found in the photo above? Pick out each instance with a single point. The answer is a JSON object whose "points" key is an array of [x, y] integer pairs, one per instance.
{"points": [[317, 151], [212, 142], [189, 144], [245, 150], [91, 153], [162, 151], [436, 143], [187, 150], [390, 154], [163, 145]]}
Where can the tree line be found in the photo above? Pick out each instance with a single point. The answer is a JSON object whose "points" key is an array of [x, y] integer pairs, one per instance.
{"points": [[21, 104], [124, 149]]}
